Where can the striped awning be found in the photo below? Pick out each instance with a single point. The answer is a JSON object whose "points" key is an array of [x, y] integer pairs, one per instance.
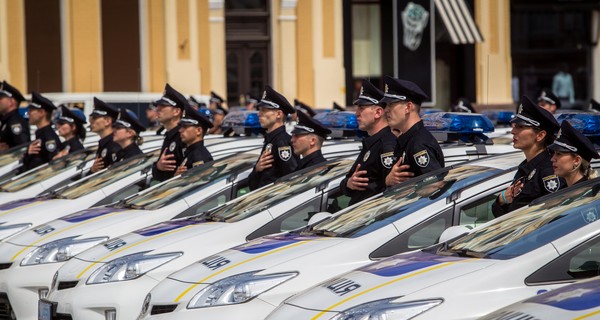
{"points": [[458, 21]]}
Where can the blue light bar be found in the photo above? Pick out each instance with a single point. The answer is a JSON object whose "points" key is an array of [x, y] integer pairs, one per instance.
{"points": [[586, 123], [207, 113], [24, 112], [457, 122], [499, 116], [242, 122], [341, 123]]}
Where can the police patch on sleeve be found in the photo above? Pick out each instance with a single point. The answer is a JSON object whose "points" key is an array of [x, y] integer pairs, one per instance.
{"points": [[50, 145], [551, 183], [285, 153], [388, 159], [16, 128], [422, 158], [172, 146], [103, 153]]}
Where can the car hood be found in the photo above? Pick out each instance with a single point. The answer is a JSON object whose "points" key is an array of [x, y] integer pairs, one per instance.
{"points": [[33, 210], [258, 254], [396, 276]]}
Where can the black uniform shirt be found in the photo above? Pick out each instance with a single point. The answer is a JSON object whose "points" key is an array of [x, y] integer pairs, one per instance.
{"points": [[128, 152], [285, 161], [420, 150], [173, 145], [376, 157], [14, 130], [107, 150], [196, 154], [74, 145], [538, 179], [50, 144], [310, 160]]}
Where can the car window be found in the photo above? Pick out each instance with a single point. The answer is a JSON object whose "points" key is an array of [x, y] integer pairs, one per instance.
{"points": [[579, 263], [478, 212], [336, 201], [205, 205]]}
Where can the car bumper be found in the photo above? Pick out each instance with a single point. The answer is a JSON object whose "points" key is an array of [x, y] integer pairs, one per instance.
{"points": [[254, 309], [286, 311]]}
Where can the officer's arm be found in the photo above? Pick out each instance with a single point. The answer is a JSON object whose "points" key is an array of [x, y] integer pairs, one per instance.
{"points": [[254, 179]]}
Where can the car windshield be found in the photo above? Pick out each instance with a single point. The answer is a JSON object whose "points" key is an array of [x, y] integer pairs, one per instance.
{"points": [[400, 201], [189, 182], [45, 172], [257, 201], [109, 176], [12, 155], [531, 227]]}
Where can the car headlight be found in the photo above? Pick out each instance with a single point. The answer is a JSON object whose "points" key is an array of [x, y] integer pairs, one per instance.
{"points": [[59, 250], [238, 289], [11, 229], [387, 309], [130, 267]]}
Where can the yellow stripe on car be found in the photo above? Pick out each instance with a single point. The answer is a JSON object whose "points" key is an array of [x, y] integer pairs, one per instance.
{"points": [[19, 208], [586, 316]]}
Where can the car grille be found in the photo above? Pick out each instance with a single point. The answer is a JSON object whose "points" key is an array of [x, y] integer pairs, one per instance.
{"points": [[163, 309], [5, 265], [63, 316], [5, 309], [67, 284]]}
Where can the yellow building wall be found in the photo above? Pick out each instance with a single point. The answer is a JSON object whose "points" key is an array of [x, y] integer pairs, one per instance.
{"points": [[493, 57], [85, 45], [12, 44]]}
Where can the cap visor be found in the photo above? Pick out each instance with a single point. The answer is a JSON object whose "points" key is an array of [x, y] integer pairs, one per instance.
{"points": [[265, 105], [520, 121], [388, 100], [555, 147], [364, 102]]}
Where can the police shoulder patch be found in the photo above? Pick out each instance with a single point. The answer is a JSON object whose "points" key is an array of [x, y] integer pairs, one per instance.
{"points": [[551, 183], [16, 128], [50, 145], [422, 158], [388, 159], [285, 153]]}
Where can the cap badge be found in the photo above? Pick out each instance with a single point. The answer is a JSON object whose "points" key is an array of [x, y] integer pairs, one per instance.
{"points": [[520, 109], [362, 90], [559, 133], [386, 88]]}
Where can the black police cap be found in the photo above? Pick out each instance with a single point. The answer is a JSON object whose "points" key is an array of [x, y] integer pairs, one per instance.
{"points": [[307, 124], [172, 98], [128, 119], [40, 102], [272, 99], [337, 107], [532, 115], [104, 109], [250, 98], [369, 94], [594, 106], [192, 117], [6, 90], [571, 140], [463, 105], [299, 105], [549, 97], [75, 116], [215, 98], [402, 90]]}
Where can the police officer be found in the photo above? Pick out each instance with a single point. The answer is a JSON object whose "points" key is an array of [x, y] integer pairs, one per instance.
{"points": [[152, 116], [70, 126], [418, 151], [533, 129], [14, 130], [126, 133], [307, 139], [299, 105], [250, 101], [170, 109], [46, 143], [192, 128], [549, 101], [367, 175], [219, 113], [463, 105], [277, 157], [101, 121], [337, 107]]}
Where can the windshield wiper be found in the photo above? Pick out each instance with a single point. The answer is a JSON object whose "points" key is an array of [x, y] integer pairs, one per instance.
{"points": [[323, 232]]}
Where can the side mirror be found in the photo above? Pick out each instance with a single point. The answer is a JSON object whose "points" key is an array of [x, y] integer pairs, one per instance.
{"points": [[453, 232], [319, 216]]}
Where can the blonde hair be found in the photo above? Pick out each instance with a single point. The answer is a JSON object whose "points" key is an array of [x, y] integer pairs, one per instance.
{"points": [[587, 170]]}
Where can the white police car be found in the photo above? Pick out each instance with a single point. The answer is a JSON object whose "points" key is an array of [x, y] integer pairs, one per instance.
{"points": [[407, 217], [537, 248], [580, 300], [25, 257]]}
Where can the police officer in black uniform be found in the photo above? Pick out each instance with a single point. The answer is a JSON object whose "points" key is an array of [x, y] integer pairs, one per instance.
{"points": [[277, 157], [102, 119], [14, 130], [417, 149], [367, 175], [75, 120], [307, 139], [299, 105], [533, 129], [549, 101], [192, 128], [126, 132], [170, 110], [46, 143]]}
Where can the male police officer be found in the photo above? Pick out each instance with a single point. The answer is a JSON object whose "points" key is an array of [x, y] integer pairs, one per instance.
{"points": [[170, 109], [192, 128], [367, 175], [307, 139], [46, 143], [549, 101], [416, 146], [101, 122], [277, 157], [219, 113], [14, 129]]}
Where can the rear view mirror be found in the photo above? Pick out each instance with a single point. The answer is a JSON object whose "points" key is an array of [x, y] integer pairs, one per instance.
{"points": [[453, 232], [319, 216]]}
